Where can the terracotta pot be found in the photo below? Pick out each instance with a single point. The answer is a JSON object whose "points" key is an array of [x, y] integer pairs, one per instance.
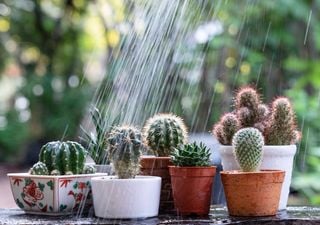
{"points": [[279, 157], [192, 188], [252, 193], [158, 166]]}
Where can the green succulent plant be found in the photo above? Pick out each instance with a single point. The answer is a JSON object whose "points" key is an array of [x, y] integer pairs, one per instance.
{"points": [[125, 147], [191, 155], [248, 149], [39, 168], [61, 158], [164, 132]]}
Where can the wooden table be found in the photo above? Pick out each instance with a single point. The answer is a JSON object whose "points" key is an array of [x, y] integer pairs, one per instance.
{"points": [[218, 215]]}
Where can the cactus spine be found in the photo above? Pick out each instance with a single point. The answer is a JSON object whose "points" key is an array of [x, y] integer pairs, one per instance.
{"points": [[63, 158], [281, 126], [248, 148], [125, 146], [39, 168], [164, 132]]}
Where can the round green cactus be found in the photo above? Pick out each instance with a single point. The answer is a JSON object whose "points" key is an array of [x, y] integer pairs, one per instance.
{"points": [[191, 155], [88, 169], [248, 148], [164, 132], [125, 146], [63, 158], [39, 168]]}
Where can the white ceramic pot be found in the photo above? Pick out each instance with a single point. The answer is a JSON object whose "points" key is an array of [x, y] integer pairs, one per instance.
{"points": [[52, 195], [274, 157], [126, 198]]}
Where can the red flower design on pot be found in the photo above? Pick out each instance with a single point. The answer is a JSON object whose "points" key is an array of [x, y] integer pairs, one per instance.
{"points": [[32, 193]]}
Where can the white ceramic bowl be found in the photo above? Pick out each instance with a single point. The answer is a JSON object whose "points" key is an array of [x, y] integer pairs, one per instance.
{"points": [[126, 198]]}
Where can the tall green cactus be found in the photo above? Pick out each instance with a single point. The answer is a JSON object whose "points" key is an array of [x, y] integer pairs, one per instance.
{"points": [[125, 146], [63, 158], [281, 128], [248, 148], [164, 132]]}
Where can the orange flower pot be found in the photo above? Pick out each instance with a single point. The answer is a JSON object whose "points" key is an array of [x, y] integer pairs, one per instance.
{"points": [[191, 188], [252, 193], [158, 166]]}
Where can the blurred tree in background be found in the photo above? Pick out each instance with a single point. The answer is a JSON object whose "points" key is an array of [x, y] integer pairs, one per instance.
{"points": [[54, 54]]}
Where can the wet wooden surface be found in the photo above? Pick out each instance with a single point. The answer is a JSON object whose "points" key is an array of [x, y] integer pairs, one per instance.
{"points": [[218, 215]]}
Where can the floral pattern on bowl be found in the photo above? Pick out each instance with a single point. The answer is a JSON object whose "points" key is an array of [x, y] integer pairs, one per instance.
{"points": [[52, 195]]}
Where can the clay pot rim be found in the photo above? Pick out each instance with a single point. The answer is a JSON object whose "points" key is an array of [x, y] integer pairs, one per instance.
{"points": [[155, 157], [236, 172], [192, 167]]}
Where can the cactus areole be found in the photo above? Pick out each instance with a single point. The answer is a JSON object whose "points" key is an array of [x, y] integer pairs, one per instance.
{"points": [[63, 158]]}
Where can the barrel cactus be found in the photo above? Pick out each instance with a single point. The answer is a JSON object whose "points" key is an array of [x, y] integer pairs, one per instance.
{"points": [[191, 155], [125, 146], [164, 132], [281, 128], [248, 149], [39, 168], [63, 158]]}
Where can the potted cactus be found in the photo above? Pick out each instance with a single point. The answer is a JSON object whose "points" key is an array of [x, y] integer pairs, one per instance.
{"points": [[277, 124], [191, 179], [126, 195], [163, 132], [58, 184], [250, 191]]}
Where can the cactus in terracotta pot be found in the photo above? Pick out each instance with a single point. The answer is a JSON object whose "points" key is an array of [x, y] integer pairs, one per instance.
{"points": [[125, 146], [281, 128], [63, 158], [248, 148], [164, 132]]}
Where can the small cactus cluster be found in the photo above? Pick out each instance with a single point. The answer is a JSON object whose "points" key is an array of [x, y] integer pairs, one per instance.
{"points": [[164, 132], [251, 112], [248, 148], [61, 158], [191, 155], [124, 149]]}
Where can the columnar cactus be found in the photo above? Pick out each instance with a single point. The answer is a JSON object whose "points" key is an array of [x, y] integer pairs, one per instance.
{"points": [[248, 148], [164, 132], [125, 146], [39, 168], [249, 112], [191, 155], [63, 158], [281, 126], [226, 128]]}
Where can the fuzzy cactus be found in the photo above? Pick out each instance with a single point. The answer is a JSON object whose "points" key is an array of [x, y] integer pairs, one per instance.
{"points": [[164, 132], [63, 158], [191, 155], [39, 168], [281, 128], [125, 146], [248, 148], [89, 169], [226, 128], [249, 112]]}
